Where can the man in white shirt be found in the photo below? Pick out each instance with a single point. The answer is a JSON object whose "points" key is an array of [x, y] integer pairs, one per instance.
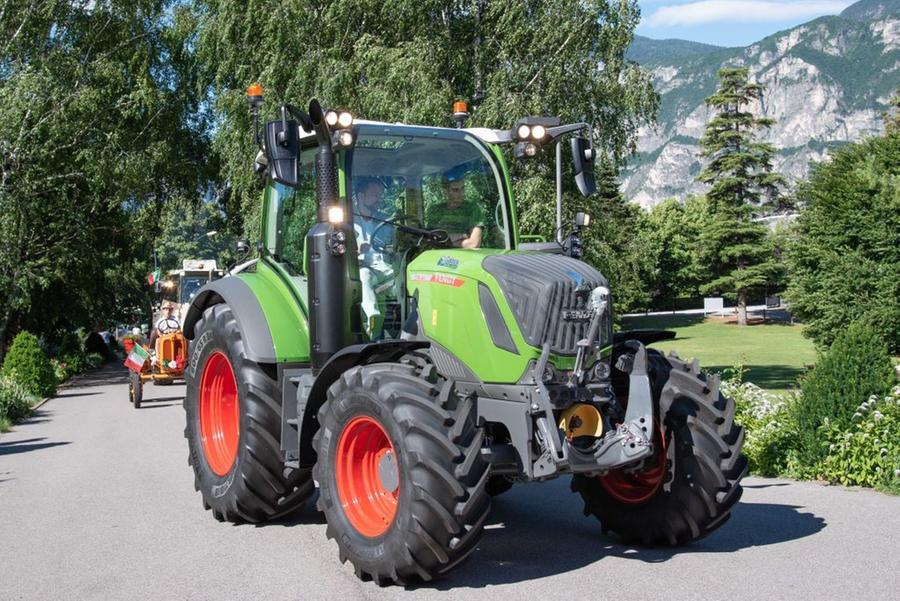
{"points": [[375, 273], [166, 324]]}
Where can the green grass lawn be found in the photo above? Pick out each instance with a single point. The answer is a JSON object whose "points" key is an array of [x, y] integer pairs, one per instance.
{"points": [[774, 354]]}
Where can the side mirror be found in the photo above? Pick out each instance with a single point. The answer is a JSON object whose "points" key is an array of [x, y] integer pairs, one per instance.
{"points": [[583, 162], [242, 247], [283, 150]]}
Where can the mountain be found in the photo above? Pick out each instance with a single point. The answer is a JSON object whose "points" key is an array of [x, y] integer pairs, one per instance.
{"points": [[648, 51], [828, 82]]}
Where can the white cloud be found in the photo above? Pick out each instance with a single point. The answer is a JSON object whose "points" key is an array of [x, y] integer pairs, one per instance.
{"points": [[742, 11]]}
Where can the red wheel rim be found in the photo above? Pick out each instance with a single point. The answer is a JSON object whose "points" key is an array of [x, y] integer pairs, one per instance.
{"points": [[219, 414], [364, 458], [634, 488]]}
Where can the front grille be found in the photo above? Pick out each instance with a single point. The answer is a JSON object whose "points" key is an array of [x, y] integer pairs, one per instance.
{"points": [[538, 289]]}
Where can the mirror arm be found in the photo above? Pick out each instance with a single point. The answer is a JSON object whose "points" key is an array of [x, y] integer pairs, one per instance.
{"points": [[562, 130], [301, 116]]}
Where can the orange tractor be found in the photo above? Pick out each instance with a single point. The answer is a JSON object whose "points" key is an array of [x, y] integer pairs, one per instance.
{"points": [[162, 361]]}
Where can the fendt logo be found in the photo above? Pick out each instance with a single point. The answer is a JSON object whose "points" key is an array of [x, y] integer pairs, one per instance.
{"points": [[580, 312]]}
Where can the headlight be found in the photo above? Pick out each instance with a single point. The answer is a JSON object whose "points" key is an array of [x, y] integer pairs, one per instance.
{"points": [[538, 132], [523, 132], [345, 119], [336, 215], [345, 138], [600, 371], [331, 118]]}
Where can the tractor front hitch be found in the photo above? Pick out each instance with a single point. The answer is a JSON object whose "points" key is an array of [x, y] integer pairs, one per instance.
{"points": [[632, 439], [628, 444]]}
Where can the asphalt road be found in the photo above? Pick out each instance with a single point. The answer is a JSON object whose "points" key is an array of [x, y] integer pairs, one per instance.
{"points": [[97, 502]]}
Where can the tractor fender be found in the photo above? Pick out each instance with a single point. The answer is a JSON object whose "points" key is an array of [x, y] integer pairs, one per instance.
{"points": [[312, 393], [247, 311]]}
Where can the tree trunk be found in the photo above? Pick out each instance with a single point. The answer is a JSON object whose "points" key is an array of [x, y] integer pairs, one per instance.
{"points": [[742, 309]]}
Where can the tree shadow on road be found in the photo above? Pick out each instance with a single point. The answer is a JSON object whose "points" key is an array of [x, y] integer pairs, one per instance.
{"points": [[110, 373], [69, 395], [15, 447], [167, 401], [539, 531]]}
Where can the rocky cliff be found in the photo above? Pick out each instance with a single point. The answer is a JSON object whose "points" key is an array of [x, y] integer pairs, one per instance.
{"points": [[828, 82]]}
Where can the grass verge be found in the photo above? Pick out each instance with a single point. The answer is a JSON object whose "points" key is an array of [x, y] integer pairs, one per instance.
{"points": [[774, 354]]}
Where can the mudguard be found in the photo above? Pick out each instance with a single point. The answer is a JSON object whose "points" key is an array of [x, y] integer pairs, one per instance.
{"points": [[645, 337], [247, 311]]}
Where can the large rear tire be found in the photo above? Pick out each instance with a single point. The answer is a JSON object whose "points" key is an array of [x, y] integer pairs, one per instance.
{"points": [[688, 488], [401, 479], [233, 413]]}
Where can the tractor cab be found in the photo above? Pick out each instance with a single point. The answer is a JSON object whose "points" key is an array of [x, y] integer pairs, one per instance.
{"points": [[180, 286], [405, 190]]}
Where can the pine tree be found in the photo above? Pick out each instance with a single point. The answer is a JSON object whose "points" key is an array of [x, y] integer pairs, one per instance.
{"points": [[892, 115], [734, 248]]}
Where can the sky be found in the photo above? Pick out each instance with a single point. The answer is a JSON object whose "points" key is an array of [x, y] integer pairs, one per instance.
{"points": [[729, 22]]}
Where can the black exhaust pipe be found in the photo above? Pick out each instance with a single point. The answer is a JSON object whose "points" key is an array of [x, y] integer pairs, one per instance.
{"points": [[331, 252]]}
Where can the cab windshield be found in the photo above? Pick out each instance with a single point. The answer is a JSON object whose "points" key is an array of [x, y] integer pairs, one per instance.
{"points": [[189, 287], [413, 192], [449, 186]]}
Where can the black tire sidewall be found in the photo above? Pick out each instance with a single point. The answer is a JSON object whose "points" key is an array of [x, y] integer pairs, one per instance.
{"points": [[209, 340], [365, 551], [136, 390]]}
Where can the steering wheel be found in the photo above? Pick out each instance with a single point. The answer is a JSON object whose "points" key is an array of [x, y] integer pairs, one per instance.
{"points": [[373, 238], [168, 325]]}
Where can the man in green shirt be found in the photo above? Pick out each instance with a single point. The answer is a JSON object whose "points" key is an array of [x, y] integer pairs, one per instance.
{"points": [[461, 218]]}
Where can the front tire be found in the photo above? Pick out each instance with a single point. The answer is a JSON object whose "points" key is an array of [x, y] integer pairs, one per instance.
{"points": [[233, 412], [401, 479], [135, 389], [690, 486]]}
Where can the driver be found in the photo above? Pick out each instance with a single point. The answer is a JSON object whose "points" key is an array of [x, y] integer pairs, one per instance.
{"points": [[166, 324], [461, 218], [375, 273]]}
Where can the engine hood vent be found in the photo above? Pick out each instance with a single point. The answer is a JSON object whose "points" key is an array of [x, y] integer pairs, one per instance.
{"points": [[541, 291]]}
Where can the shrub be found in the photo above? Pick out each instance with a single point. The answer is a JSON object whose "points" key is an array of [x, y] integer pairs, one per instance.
{"points": [[71, 353], [29, 365], [70, 345], [94, 344], [59, 370], [856, 366], [15, 400], [95, 360], [770, 426], [868, 453]]}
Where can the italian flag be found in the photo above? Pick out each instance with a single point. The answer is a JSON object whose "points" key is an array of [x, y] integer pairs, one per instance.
{"points": [[136, 358], [154, 277]]}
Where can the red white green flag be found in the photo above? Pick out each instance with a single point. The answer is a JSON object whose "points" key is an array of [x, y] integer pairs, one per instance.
{"points": [[136, 358], [154, 277]]}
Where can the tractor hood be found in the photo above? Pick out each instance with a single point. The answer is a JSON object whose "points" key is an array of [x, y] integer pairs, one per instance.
{"points": [[493, 310]]}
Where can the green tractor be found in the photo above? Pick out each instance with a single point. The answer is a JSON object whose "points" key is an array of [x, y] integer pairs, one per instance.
{"points": [[397, 345]]}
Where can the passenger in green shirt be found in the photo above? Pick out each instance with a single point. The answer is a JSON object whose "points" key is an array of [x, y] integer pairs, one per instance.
{"points": [[461, 218]]}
